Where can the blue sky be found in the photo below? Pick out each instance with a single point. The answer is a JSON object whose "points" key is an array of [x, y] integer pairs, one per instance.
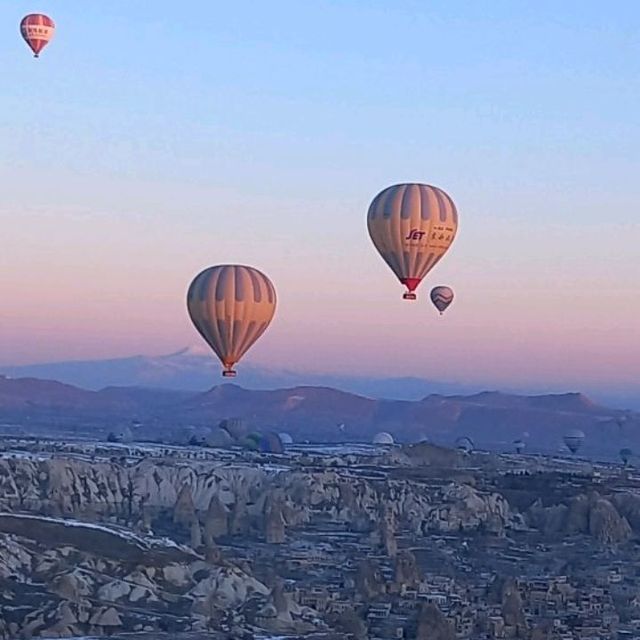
{"points": [[151, 141]]}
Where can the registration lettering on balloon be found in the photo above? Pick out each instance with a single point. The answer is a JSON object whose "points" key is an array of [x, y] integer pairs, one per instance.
{"points": [[415, 234], [441, 236]]}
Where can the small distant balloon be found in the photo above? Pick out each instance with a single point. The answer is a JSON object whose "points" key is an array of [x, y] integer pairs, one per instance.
{"points": [[271, 443], [383, 438], [231, 306], [287, 438], [412, 226], [519, 446], [465, 444], [626, 455], [37, 30], [252, 441], [574, 439], [442, 297]]}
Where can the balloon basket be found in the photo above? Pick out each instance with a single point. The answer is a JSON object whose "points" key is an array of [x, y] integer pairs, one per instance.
{"points": [[409, 296], [229, 374]]}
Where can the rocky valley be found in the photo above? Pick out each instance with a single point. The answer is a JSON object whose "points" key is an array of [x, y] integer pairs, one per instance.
{"points": [[319, 542]]}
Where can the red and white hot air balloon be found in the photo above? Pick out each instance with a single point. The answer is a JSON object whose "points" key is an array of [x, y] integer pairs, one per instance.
{"points": [[37, 31], [412, 226]]}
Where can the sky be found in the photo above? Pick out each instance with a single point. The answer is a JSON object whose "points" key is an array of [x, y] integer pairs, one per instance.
{"points": [[149, 142]]}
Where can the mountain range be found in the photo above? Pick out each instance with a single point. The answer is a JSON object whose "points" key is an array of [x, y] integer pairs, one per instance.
{"points": [[492, 420], [195, 369]]}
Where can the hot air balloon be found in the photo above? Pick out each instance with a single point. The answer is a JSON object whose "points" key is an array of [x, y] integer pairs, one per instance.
{"points": [[412, 226], [252, 441], [465, 444], [218, 438], [287, 438], [271, 443], [626, 455], [441, 297], [383, 438], [37, 31], [235, 427], [573, 439], [231, 306], [519, 446]]}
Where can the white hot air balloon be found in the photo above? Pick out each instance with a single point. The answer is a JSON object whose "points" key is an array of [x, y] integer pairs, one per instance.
{"points": [[383, 438]]}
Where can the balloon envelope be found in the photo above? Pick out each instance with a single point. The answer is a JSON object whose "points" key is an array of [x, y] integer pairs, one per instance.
{"points": [[383, 438], [271, 443], [465, 444], [235, 427], [519, 446], [626, 455], [441, 297], [286, 438], [252, 441], [37, 30], [412, 226], [231, 306], [573, 439]]}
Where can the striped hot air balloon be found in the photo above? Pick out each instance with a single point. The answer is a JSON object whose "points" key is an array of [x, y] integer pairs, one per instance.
{"points": [[37, 31], [441, 297], [412, 226], [231, 306]]}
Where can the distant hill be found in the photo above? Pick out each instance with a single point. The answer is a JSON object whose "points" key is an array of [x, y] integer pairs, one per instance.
{"points": [[490, 418], [195, 369], [322, 414]]}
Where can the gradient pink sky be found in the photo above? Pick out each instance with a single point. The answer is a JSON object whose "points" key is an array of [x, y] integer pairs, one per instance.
{"points": [[131, 174]]}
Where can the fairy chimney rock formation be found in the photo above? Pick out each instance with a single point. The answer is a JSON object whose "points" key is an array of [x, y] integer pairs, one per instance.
{"points": [[184, 512]]}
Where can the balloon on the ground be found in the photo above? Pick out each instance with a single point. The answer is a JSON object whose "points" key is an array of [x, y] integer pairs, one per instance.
{"points": [[271, 443], [235, 427], [519, 446], [37, 30], [465, 444], [574, 439], [252, 441], [231, 306], [219, 437], [442, 297], [626, 455], [412, 226], [383, 438]]}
